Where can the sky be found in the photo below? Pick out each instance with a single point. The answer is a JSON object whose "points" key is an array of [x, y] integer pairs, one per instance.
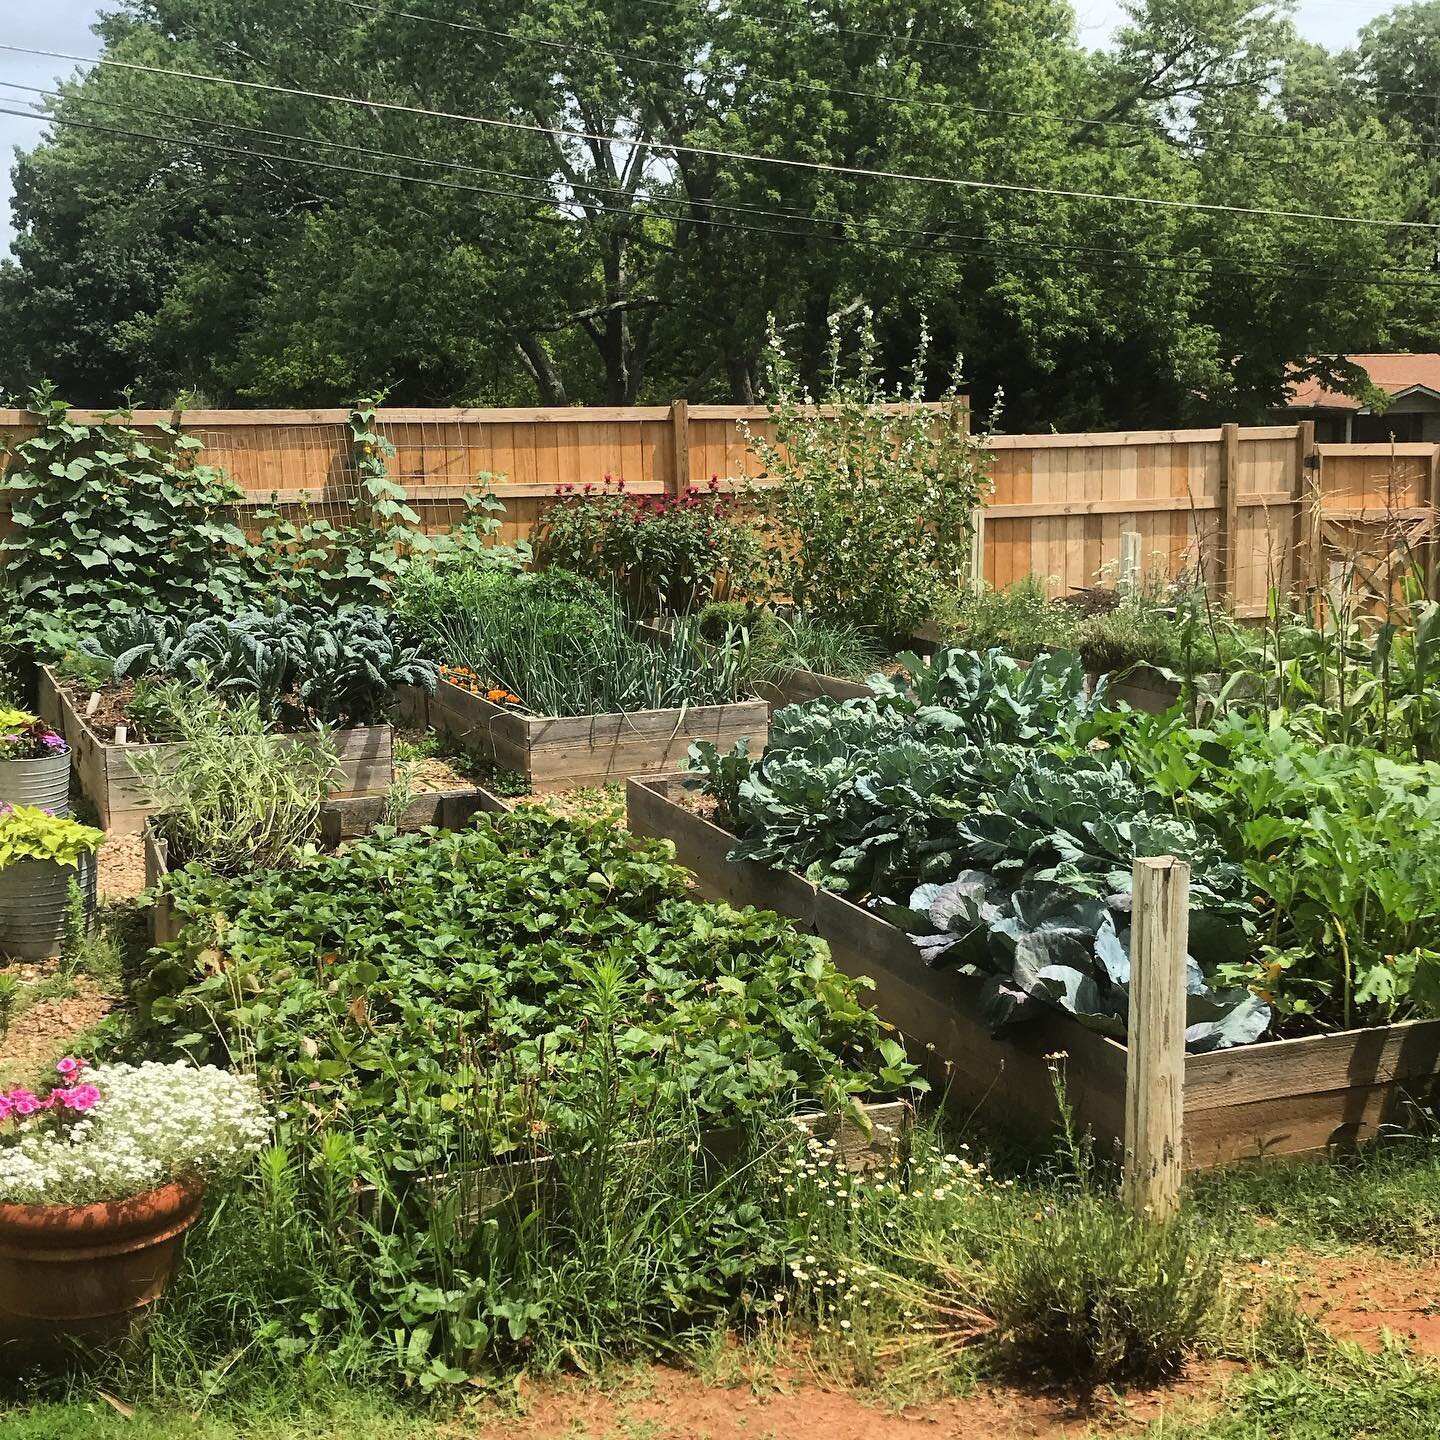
{"points": [[64, 25]]}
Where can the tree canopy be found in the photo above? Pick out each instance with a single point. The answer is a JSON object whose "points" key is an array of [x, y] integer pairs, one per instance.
{"points": [[610, 243]]}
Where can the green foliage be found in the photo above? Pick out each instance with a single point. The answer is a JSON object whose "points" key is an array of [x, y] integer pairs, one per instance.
{"points": [[870, 520], [236, 796], [752, 1010], [29, 833], [108, 521], [357, 560], [659, 553], [1093, 1292], [561, 645], [780, 642], [1341, 845], [302, 665], [1175, 628], [10, 993]]}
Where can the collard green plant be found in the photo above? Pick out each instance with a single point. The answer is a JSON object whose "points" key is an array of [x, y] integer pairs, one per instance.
{"points": [[109, 521], [863, 795], [871, 517]]}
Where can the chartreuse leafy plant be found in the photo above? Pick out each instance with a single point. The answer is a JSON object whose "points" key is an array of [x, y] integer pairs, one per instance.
{"points": [[29, 833], [108, 520]]}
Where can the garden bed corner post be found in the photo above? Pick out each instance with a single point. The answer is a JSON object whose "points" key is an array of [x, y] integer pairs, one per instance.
{"points": [[1155, 1071]]}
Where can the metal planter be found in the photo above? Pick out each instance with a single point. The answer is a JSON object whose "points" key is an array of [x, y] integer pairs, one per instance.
{"points": [[33, 898], [44, 782]]}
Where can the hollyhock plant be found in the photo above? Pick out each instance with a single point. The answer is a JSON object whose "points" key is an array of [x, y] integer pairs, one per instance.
{"points": [[110, 1132]]}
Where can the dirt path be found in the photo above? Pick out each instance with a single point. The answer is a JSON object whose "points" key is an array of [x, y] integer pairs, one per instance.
{"points": [[662, 1403]]}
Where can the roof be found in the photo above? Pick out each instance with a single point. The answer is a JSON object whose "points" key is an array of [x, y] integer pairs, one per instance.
{"points": [[1400, 374]]}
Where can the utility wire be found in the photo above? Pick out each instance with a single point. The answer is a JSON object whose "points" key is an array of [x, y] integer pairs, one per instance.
{"points": [[1379, 276], [859, 171], [586, 187], [1078, 121]]}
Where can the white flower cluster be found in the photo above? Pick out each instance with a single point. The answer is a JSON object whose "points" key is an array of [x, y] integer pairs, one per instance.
{"points": [[153, 1124]]}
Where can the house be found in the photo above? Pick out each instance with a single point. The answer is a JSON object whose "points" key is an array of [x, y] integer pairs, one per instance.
{"points": [[1411, 381]]}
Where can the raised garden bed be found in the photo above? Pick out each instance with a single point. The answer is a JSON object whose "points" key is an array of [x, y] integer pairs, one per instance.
{"points": [[567, 753], [343, 818], [103, 770], [1277, 1097]]}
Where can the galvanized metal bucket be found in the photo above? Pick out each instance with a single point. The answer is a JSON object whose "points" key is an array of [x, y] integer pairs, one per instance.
{"points": [[44, 782], [33, 898]]}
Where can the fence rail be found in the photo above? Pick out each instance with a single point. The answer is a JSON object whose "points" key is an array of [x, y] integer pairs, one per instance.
{"points": [[1246, 508]]}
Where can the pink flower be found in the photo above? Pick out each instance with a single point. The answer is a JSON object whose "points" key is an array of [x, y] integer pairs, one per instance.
{"points": [[78, 1097], [71, 1064], [4, 1107], [26, 1102]]}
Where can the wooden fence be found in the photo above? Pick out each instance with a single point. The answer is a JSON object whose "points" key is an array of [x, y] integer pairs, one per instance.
{"points": [[1247, 508]]}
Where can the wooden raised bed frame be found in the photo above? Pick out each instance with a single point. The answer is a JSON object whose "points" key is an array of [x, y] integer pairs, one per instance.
{"points": [[1278, 1097], [103, 767], [566, 754]]}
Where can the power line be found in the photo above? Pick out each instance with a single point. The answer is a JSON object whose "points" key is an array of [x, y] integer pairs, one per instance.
{"points": [[858, 171], [992, 245], [1080, 121]]}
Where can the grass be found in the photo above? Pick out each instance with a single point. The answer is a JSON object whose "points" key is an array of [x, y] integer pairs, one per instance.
{"points": [[1341, 1395]]}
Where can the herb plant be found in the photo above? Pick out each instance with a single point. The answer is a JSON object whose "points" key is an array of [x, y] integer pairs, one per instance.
{"points": [[234, 796]]}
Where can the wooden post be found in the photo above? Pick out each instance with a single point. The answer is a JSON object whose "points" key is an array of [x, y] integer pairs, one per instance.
{"points": [[1307, 501], [1228, 524], [1431, 546], [1155, 1065], [1131, 565], [679, 446], [977, 548]]}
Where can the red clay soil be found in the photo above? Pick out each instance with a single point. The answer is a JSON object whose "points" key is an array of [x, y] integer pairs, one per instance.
{"points": [[1358, 1297], [660, 1403]]}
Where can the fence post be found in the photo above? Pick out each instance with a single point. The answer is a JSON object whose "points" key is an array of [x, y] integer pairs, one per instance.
{"points": [[679, 446], [1307, 511], [977, 548], [1228, 524], [1155, 1064], [1431, 550], [1131, 563]]}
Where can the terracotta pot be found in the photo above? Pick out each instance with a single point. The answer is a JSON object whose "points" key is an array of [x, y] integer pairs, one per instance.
{"points": [[88, 1262]]}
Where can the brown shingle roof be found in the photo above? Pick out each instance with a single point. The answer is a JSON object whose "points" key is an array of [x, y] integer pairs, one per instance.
{"points": [[1390, 372]]}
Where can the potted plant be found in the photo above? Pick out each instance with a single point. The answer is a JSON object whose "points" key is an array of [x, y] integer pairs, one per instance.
{"points": [[34, 763], [40, 856], [101, 1177]]}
